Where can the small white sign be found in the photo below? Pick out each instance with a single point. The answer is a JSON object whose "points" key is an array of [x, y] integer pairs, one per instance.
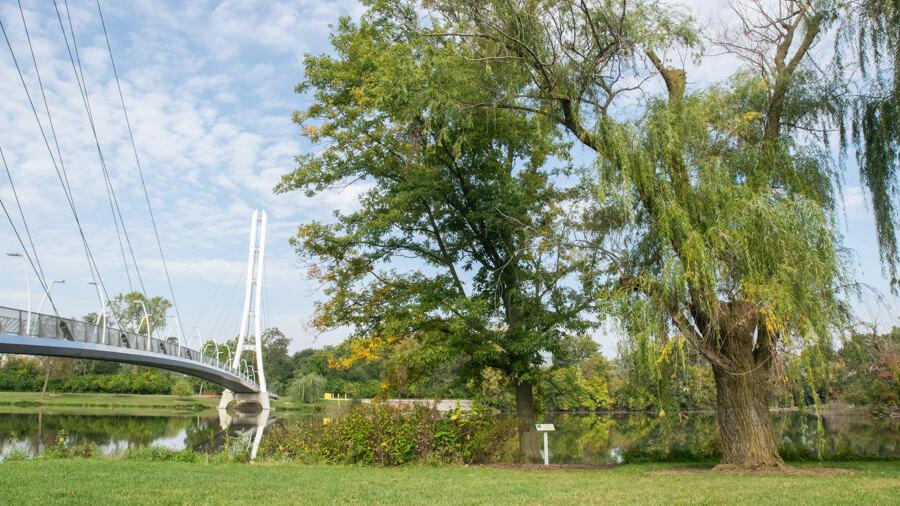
{"points": [[544, 427]]}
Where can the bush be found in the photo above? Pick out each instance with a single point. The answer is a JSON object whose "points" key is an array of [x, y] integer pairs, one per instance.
{"points": [[307, 389], [15, 455], [182, 388], [162, 454], [63, 449], [378, 434]]}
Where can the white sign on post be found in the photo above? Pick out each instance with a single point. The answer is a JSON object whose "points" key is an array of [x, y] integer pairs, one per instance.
{"points": [[545, 428]]}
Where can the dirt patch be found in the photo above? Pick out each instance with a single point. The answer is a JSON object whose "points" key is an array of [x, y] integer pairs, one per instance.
{"points": [[551, 467], [767, 471]]}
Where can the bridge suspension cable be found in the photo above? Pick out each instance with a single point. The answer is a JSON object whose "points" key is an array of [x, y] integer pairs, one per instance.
{"points": [[59, 168], [139, 169], [35, 262], [115, 209]]}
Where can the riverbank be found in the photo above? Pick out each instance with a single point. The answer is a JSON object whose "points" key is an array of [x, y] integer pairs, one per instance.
{"points": [[86, 402], [105, 481]]}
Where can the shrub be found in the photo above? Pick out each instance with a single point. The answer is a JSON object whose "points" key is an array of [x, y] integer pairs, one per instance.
{"points": [[162, 454], [378, 434], [182, 388], [15, 455], [307, 389]]}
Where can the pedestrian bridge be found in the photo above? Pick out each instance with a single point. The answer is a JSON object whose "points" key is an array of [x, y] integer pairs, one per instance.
{"points": [[46, 335]]}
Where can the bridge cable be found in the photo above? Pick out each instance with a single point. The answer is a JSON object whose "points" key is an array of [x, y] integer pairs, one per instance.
{"points": [[222, 320], [36, 263], [140, 170], [59, 168], [234, 260], [12, 185], [110, 188]]}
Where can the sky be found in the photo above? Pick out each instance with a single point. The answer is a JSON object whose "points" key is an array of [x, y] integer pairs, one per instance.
{"points": [[209, 89]]}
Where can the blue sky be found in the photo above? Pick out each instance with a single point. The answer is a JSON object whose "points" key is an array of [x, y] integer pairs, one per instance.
{"points": [[209, 89]]}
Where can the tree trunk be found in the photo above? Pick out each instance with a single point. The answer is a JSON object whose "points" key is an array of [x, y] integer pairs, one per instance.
{"points": [[745, 425], [743, 390], [47, 364], [528, 436]]}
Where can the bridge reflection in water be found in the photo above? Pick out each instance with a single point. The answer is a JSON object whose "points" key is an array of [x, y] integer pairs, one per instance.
{"points": [[249, 426]]}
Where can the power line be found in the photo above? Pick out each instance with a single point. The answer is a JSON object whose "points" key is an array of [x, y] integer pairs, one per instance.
{"points": [[138, 163]]}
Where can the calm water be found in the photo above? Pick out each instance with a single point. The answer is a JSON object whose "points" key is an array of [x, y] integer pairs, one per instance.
{"points": [[589, 439]]}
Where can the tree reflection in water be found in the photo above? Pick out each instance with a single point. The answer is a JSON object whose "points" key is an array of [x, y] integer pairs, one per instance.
{"points": [[579, 438]]}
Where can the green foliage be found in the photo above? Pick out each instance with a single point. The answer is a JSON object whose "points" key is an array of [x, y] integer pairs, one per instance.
{"points": [[278, 364], [63, 448], [182, 388], [467, 192], [378, 434], [868, 37], [162, 454], [579, 379], [867, 371], [307, 389], [20, 375], [15, 455], [128, 311]]}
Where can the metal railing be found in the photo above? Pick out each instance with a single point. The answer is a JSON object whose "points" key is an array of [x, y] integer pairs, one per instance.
{"points": [[16, 321]]}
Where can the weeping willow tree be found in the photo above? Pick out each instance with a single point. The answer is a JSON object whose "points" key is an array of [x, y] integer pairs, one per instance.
{"points": [[868, 44], [715, 206]]}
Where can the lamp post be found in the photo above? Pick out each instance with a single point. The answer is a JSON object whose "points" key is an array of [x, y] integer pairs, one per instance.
{"points": [[145, 319], [27, 287], [47, 293], [101, 315], [44, 299]]}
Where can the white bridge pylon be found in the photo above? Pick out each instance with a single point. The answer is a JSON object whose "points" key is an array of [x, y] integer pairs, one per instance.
{"points": [[252, 303]]}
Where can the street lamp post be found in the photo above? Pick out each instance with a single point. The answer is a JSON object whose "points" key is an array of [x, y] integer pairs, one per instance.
{"points": [[101, 315], [146, 319], [27, 287], [44, 299], [47, 293]]}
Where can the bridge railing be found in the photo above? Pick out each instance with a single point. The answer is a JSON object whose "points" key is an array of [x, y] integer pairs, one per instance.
{"points": [[16, 321]]}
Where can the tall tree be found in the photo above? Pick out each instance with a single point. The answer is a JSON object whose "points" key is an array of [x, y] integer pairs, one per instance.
{"points": [[462, 239], [716, 204], [128, 311]]}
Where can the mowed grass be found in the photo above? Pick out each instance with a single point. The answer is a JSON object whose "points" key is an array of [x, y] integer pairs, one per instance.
{"points": [[105, 481], [108, 400], [88, 403]]}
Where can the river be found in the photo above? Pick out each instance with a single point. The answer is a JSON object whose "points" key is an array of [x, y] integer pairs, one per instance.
{"points": [[579, 438]]}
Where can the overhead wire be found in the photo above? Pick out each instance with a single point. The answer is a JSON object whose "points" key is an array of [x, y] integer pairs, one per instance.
{"points": [[138, 163]]}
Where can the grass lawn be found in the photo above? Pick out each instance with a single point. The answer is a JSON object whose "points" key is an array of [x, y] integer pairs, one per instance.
{"points": [[104, 481], [26, 399]]}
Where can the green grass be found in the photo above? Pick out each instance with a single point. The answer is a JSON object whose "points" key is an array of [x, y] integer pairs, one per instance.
{"points": [[25, 399], [105, 481], [97, 403]]}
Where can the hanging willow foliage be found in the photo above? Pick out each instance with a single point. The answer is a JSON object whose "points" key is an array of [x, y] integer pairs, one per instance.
{"points": [[872, 28]]}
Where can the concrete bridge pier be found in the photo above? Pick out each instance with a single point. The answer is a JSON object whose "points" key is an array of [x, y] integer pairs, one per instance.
{"points": [[247, 400]]}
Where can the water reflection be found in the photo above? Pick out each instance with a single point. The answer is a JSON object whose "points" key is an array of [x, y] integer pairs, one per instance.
{"points": [[34, 431], [605, 439], [579, 438]]}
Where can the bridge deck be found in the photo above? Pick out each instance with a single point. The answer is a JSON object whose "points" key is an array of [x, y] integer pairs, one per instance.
{"points": [[62, 337]]}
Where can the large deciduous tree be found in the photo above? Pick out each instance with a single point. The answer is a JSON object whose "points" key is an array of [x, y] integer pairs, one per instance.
{"points": [[715, 204], [462, 240]]}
